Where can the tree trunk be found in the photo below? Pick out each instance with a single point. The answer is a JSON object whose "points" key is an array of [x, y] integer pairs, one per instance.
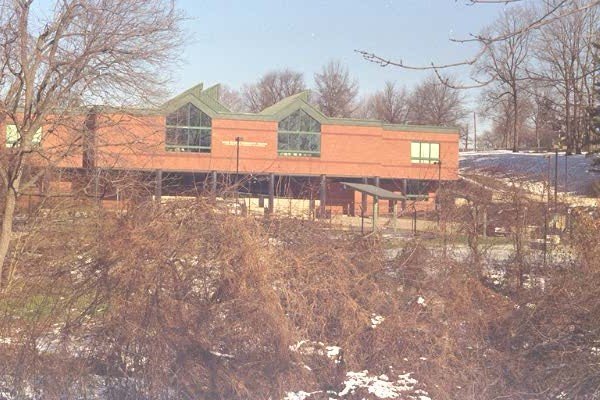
{"points": [[515, 122], [568, 120], [7, 224]]}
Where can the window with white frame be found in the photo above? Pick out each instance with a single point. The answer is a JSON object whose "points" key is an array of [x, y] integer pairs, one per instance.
{"points": [[424, 152], [13, 136]]}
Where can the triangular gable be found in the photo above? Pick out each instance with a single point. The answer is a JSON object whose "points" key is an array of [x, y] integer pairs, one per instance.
{"points": [[194, 90], [205, 99], [290, 104], [180, 101], [284, 103], [211, 97]]}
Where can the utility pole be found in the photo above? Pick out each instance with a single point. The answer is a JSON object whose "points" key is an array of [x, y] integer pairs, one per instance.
{"points": [[437, 194], [474, 131], [555, 180], [237, 167]]}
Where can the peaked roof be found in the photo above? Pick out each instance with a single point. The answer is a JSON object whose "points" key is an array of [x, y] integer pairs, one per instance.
{"points": [[286, 106], [208, 101], [205, 99], [284, 103]]}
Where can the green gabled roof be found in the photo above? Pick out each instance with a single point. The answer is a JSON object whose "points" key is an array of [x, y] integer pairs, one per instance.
{"points": [[194, 91], [205, 99], [211, 97], [292, 103], [285, 103], [208, 101]]}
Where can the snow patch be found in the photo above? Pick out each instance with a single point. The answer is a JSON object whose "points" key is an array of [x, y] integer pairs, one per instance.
{"points": [[382, 387], [376, 320], [308, 347]]}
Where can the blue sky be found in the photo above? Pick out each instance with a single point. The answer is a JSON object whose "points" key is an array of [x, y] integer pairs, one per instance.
{"points": [[235, 42]]}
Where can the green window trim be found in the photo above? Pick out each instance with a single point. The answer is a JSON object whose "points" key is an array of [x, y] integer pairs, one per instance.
{"points": [[299, 135], [13, 137], [188, 129], [424, 152]]}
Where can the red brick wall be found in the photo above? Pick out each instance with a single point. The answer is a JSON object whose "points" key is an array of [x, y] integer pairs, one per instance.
{"points": [[349, 151]]}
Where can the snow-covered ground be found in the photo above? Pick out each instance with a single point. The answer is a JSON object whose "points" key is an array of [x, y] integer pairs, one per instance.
{"points": [[575, 172]]}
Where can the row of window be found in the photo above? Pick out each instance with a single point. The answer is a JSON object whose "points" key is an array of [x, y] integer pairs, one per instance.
{"points": [[13, 137], [189, 130], [424, 152]]}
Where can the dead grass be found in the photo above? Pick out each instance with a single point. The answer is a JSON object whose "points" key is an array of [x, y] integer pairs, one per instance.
{"points": [[188, 301]]}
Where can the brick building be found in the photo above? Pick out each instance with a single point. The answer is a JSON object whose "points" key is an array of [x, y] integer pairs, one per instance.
{"points": [[194, 143]]}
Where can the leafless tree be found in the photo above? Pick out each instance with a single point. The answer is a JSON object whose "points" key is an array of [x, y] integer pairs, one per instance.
{"points": [[505, 62], [501, 112], [231, 98], [390, 104], [564, 53], [544, 116], [556, 11], [82, 52], [271, 88], [435, 103], [335, 90]]}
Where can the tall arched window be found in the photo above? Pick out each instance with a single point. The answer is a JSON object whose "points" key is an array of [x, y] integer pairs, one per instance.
{"points": [[299, 135], [189, 130]]}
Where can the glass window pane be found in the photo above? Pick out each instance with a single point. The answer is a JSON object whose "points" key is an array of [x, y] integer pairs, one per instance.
{"points": [[172, 119], [171, 137], [194, 116], [424, 151], [314, 142], [12, 135], [294, 141], [304, 142], [205, 138], [435, 151], [37, 137], [181, 137], [282, 141], [193, 137], [415, 150], [182, 116], [205, 120], [300, 121]]}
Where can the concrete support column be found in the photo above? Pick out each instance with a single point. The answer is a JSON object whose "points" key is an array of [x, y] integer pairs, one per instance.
{"points": [[323, 196], [404, 192], [375, 205], [271, 207], [485, 222], [363, 199], [394, 214], [213, 183], [158, 187], [375, 212]]}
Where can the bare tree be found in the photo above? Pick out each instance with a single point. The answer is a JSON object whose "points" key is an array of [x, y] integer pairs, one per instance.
{"points": [[435, 103], [564, 63], [391, 104], [335, 90], [544, 116], [271, 88], [595, 130], [556, 11], [83, 52], [505, 62], [231, 98]]}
